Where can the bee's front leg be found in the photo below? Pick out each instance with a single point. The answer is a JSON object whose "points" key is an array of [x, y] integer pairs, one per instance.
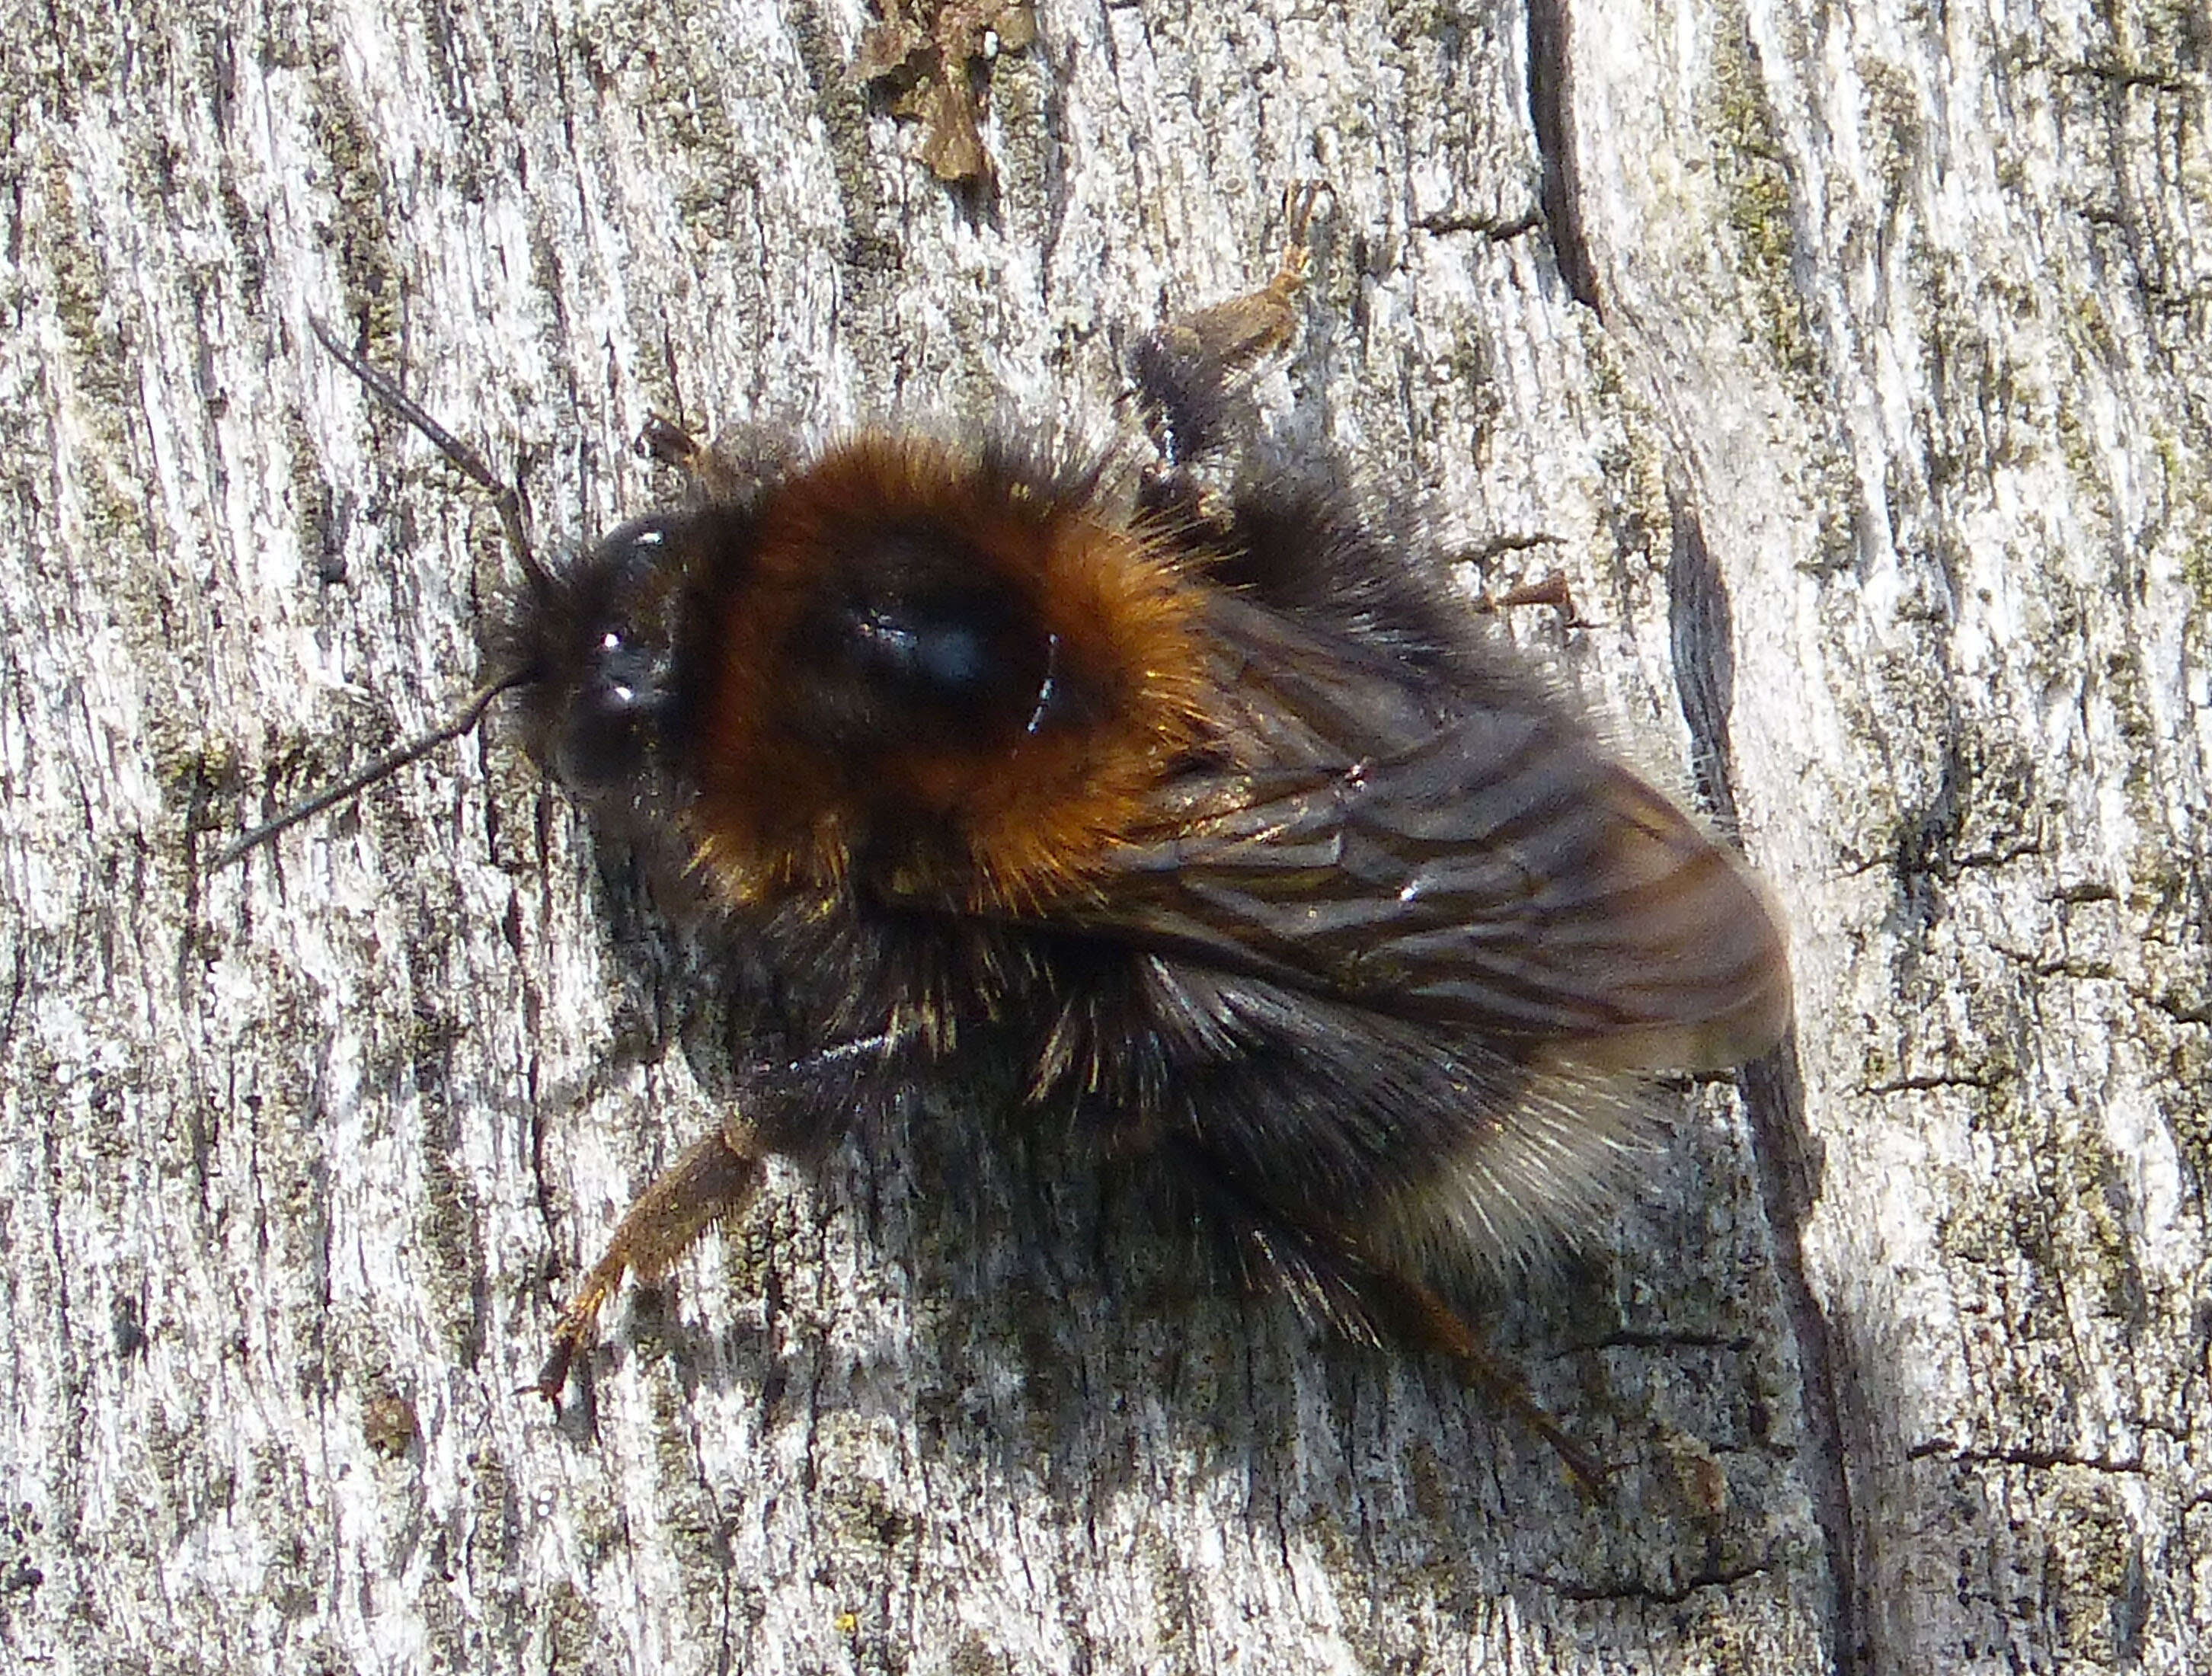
{"points": [[714, 1181], [734, 467], [794, 1107]]}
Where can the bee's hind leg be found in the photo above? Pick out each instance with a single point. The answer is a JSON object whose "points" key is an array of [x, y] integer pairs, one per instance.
{"points": [[1334, 1279], [1415, 1313]]}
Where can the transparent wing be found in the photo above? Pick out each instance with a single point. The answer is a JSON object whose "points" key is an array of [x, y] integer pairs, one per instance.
{"points": [[1474, 858]]}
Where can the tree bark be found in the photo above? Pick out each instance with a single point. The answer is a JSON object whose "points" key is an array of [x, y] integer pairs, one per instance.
{"points": [[1849, 363]]}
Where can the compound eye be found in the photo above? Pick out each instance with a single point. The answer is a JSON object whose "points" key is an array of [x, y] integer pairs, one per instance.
{"points": [[625, 678], [621, 704], [620, 684]]}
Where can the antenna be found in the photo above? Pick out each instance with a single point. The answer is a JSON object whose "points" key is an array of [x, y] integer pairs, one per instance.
{"points": [[471, 463], [465, 459], [362, 777]]}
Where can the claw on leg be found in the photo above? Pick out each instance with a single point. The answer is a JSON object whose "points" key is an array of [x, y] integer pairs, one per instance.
{"points": [[1188, 372], [1236, 334]]}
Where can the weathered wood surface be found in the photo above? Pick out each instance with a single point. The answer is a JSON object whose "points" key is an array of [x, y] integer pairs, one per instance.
{"points": [[1857, 377]]}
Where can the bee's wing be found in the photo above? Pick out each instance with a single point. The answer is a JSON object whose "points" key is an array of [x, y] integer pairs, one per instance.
{"points": [[1502, 871]]}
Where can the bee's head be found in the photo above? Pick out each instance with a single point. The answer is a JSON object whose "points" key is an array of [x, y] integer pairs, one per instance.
{"points": [[599, 644]]}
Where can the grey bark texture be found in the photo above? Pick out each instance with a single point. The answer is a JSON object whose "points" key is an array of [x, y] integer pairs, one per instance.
{"points": [[1850, 360]]}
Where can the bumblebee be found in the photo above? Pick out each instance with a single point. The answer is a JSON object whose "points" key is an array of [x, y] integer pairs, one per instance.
{"points": [[1214, 809]]}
